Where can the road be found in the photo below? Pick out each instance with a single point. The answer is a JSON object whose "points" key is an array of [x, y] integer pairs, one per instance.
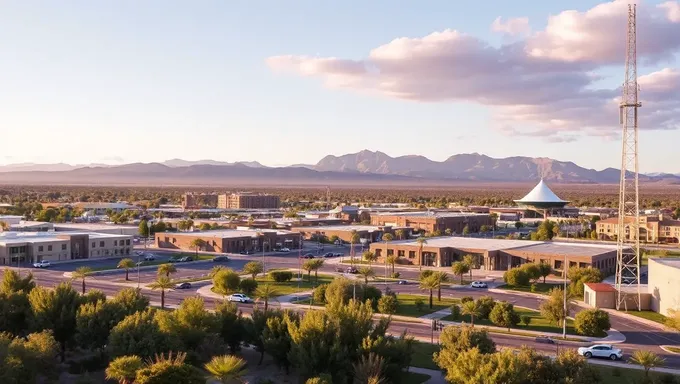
{"points": [[638, 335]]}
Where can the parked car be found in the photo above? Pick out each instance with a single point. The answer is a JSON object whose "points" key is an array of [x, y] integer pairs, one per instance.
{"points": [[219, 259], [248, 252], [42, 264], [241, 298], [149, 257], [338, 254], [402, 282], [351, 270], [308, 256], [186, 259], [174, 259], [185, 285], [601, 350], [329, 254], [544, 340], [479, 284], [284, 250]]}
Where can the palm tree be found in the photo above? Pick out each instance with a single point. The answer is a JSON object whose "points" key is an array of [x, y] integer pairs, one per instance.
{"points": [[354, 238], [421, 242], [647, 359], [387, 237], [265, 294], [197, 244], [459, 268], [226, 368], [471, 308], [166, 269], [126, 263], [370, 257], [82, 273], [124, 369], [316, 265], [429, 283], [470, 261], [441, 277], [366, 272], [392, 259], [163, 283], [400, 234], [369, 370]]}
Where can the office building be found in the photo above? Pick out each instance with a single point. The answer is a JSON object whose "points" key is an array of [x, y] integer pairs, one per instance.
{"points": [[653, 229], [244, 200], [442, 222], [230, 240]]}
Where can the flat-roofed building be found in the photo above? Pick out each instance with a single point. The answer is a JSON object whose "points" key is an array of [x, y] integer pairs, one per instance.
{"points": [[653, 229], [102, 208], [367, 233], [31, 226], [113, 229], [10, 220], [433, 221], [664, 284], [230, 240], [199, 200], [499, 254], [246, 200]]}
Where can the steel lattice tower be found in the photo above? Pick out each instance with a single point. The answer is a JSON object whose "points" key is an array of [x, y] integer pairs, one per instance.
{"points": [[628, 236]]}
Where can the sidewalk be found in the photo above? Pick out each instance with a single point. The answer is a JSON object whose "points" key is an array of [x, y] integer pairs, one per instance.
{"points": [[436, 377]]}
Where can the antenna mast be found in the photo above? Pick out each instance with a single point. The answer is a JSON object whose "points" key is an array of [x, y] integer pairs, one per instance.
{"points": [[628, 236]]}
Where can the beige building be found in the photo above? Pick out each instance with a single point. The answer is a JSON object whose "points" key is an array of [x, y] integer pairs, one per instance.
{"points": [[603, 295], [653, 229], [664, 284], [243, 200], [229, 240]]}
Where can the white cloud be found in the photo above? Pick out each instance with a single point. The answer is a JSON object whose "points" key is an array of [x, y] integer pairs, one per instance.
{"points": [[543, 85], [513, 26]]}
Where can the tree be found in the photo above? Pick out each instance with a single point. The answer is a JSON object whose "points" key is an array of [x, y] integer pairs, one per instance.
{"points": [[485, 304], [140, 334], [197, 245], [226, 368], [166, 269], [580, 276], [124, 369], [226, 281], [94, 322], [421, 242], [503, 315], [12, 282], [143, 228], [553, 308], [592, 322], [430, 283], [458, 339], [388, 305], [369, 370], [162, 283], [309, 266], [266, 294], [466, 230], [316, 265], [369, 257], [230, 325], [647, 359], [518, 224], [391, 260], [214, 270], [129, 301], [532, 270], [126, 264], [354, 238], [366, 272], [441, 277], [400, 233], [471, 308], [170, 370], [82, 273], [387, 237], [15, 312], [248, 286], [544, 269], [471, 262], [26, 360], [516, 277], [459, 269], [253, 268], [55, 310]]}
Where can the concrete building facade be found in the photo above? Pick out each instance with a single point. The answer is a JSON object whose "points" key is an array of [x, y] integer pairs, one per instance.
{"points": [[653, 229], [367, 233], [229, 241], [244, 200], [664, 284], [434, 221]]}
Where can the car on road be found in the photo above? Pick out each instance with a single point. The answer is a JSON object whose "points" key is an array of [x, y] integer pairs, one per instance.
{"points": [[338, 254], [185, 285], [186, 259], [544, 340], [174, 259], [308, 256], [248, 252], [402, 282], [329, 254], [351, 270], [241, 298], [149, 257], [42, 264], [601, 350], [284, 250], [220, 259], [479, 284]]}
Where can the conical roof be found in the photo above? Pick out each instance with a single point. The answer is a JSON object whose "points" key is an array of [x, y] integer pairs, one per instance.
{"points": [[541, 194]]}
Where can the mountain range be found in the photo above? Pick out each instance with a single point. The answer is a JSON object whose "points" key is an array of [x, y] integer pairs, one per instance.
{"points": [[361, 168]]}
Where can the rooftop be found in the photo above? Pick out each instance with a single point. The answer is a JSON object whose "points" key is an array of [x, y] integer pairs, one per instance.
{"points": [[600, 287], [39, 237], [104, 205], [541, 194], [431, 214], [347, 228], [669, 262], [230, 233], [575, 249], [93, 226]]}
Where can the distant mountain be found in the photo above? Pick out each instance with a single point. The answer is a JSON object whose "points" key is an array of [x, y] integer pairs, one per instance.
{"points": [[362, 168]]}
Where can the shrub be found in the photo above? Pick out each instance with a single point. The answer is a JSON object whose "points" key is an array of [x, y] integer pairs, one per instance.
{"points": [[281, 276], [396, 275], [455, 312], [420, 305], [532, 270], [465, 299], [526, 320], [504, 315], [592, 322], [369, 292], [248, 286], [388, 305], [534, 287], [319, 295], [485, 304], [516, 277]]}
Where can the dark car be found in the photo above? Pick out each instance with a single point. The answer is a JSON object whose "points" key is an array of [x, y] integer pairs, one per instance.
{"points": [[329, 254], [351, 270], [308, 256], [338, 254], [402, 282], [185, 285], [219, 259], [544, 340]]}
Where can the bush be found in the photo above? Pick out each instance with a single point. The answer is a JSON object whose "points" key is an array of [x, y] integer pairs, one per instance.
{"points": [[369, 292], [388, 305], [420, 305], [319, 295], [516, 277], [281, 276], [532, 270], [592, 322], [504, 315], [485, 304], [248, 286], [465, 299], [534, 288], [455, 312], [396, 275], [526, 320]]}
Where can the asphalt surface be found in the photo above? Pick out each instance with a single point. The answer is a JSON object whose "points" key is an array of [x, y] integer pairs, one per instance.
{"points": [[638, 335]]}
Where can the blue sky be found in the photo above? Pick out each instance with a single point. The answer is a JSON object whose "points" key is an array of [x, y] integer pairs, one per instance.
{"points": [[128, 81]]}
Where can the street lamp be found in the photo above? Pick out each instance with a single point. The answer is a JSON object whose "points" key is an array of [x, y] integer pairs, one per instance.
{"points": [[148, 232], [564, 321]]}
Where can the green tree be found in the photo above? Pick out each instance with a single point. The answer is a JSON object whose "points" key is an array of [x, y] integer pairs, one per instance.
{"points": [[471, 262], [15, 312], [503, 315], [388, 305], [248, 286], [143, 228], [421, 243], [455, 340], [226, 369], [170, 370], [355, 238], [442, 278], [516, 277], [459, 269], [205, 227], [226, 282], [140, 334], [553, 308], [12, 282], [580, 276], [466, 230], [124, 369], [370, 257], [369, 370], [230, 325], [532, 270], [366, 273], [82, 273], [471, 308], [197, 245], [544, 270], [253, 268], [93, 296], [647, 359], [592, 322], [162, 283], [266, 294], [28, 360], [129, 301], [316, 265], [94, 322], [430, 284], [55, 310], [166, 269], [486, 305], [309, 266], [126, 264]]}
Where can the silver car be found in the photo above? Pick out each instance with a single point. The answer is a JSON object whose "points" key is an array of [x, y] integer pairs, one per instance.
{"points": [[601, 350]]}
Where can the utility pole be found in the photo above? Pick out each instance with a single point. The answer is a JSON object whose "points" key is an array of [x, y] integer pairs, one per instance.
{"points": [[628, 236], [564, 320]]}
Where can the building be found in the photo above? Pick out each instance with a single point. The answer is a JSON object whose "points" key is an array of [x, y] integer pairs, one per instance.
{"points": [[653, 229], [243, 200], [500, 254], [100, 209], [199, 200], [543, 200], [31, 247], [10, 220], [31, 226], [441, 222], [599, 295], [367, 233], [664, 284], [113, 229], [230, 240]]}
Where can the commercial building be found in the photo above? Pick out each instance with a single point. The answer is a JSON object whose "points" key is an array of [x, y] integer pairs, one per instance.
{"points": [[664, 284], [243, 200], [497, 254], [102, 208], [199, 200], [653, 229], [30, 247], [229, 241], [543, 200], [10, 220], [367, 233], [434, 221], [113, 229]]}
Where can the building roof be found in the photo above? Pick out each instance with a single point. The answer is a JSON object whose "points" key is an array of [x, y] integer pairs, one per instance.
{"points": [[541, 194], [470, 243], [669, 262], [432, 214], [600, 287], [7, 238], [348, 228], [105, 205], [228, 233], [569, 249], [92, 226]]}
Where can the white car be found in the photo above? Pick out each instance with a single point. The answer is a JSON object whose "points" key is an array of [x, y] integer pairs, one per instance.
{"points": [[285, 250], [41, 264], [479, 284], [601, 350], [241, 298]]}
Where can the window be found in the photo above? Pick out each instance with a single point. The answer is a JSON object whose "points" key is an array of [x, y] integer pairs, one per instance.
{"points": [[40, 248], [63, 247], [115, 243], [401, 253], [49, 248], [101, 244], [94, 244], [411, 254], [127, 242]]}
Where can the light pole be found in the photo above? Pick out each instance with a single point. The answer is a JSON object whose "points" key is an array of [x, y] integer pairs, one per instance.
{"points": [[264, 258], [300, 263], [564, 321], [146, 240]]}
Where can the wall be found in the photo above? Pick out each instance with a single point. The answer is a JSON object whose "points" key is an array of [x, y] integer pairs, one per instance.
{"points": [[664, 287], [102, 247]]}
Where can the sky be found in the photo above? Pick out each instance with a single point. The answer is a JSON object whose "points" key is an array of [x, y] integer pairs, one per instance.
{"points": [[287, 82]]}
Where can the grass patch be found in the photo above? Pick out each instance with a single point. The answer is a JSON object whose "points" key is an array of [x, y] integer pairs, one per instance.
{"points": [[422, 355], [293, 286], [621, 375], [541, 288], [191, 279], [648, 315], [673, 349], [538, 322], [407, 305], [415, 378]]}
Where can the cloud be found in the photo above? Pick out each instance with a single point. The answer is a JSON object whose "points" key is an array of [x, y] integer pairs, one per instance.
{"points": [[513, 26], [543, 85]]}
